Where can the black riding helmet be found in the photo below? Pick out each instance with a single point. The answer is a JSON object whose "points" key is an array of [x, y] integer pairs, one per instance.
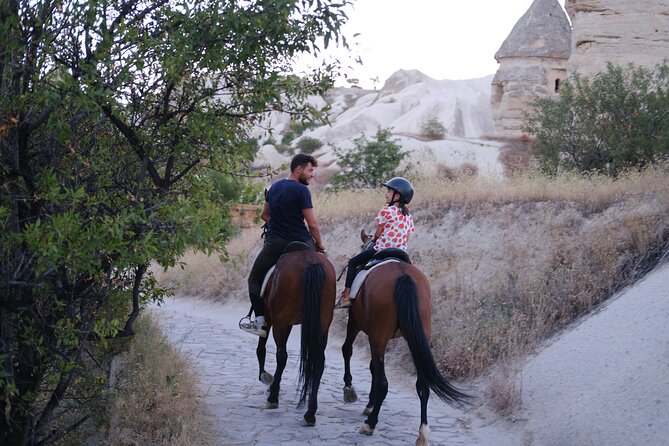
{"points": [[403, 187]]}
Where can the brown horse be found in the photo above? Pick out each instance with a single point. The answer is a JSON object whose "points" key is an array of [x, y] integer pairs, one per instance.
{"points": [[394, 301], [301, 290]]}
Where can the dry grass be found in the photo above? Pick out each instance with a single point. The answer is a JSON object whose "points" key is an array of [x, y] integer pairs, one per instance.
{"points": [[156, 400], [503, 391], [516, 157], [512, 261], [214, 277]]}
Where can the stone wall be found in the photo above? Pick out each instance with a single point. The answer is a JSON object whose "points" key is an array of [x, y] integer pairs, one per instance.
{"points": [[517, 84]]}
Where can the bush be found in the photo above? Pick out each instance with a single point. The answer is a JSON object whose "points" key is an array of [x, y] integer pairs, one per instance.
{"points": [[295, 130], [235, 188], [616, 120], [309, 145], [433, 129], [369, 162]]}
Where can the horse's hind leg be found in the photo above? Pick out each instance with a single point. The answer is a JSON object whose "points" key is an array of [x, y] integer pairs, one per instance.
{"points": [[261, 352], [352, 331], [370, 402], [310, 416], [280, 339], [423, 391], [379, 392]]}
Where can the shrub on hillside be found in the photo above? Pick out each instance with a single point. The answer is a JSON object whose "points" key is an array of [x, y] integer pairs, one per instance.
{"points": [[309, 145], [616, 120], [295, 129], [369, 163], [433, 129]]}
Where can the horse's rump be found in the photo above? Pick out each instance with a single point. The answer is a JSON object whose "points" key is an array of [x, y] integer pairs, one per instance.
{"points": [[378, 311], [284, 294]]}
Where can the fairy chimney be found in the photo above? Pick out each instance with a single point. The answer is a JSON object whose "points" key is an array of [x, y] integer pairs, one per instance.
{"points": [[617, 31], [532, 63]]}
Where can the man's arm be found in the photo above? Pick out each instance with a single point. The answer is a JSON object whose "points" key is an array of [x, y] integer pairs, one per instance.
{"points": [[310, 218], [265, 212]]}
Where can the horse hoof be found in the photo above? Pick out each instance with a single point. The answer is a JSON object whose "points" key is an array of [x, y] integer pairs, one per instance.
{"points": [[266, 378], [365, 429], [307, 423], [368, 410], [271, 405], [349, 395], [423, 433]]}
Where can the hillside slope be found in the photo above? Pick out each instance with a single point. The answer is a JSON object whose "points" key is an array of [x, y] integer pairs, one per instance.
{"points": [[408, 99], [605, 381]]}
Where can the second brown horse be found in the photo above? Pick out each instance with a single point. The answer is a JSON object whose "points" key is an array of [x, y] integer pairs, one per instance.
{"points": [[395, 301]]}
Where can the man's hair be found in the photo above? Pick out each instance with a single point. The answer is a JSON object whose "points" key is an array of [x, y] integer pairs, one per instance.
{"points": [[302, 159]]}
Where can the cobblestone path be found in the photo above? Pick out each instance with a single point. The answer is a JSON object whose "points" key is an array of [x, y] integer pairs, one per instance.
{"points": [[224, 357]]}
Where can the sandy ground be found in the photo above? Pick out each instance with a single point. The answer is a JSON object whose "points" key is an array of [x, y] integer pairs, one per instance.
{"points": [[604, 381]]}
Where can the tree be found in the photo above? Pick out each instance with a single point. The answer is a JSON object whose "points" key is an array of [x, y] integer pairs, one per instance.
{"points": [[616, 120], [112, 113], [369, 163], [433, 129]]}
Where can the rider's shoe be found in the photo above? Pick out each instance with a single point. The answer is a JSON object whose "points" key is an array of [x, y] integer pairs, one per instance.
{"points": [[255, 327], [344, 302]]}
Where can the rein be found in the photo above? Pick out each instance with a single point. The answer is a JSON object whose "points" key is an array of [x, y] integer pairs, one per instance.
{"points": [[342, 273]]}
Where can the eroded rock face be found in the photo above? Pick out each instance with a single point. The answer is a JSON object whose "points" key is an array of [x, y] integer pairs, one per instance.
{"points": [[617, 31], [532, 62]]}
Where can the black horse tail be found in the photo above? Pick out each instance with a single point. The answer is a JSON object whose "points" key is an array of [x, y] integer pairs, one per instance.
{"points": [[406, 301], [312, 351]]}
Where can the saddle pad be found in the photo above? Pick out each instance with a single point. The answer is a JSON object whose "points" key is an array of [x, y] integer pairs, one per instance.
{"points": [[362, 275], [266, 280]]}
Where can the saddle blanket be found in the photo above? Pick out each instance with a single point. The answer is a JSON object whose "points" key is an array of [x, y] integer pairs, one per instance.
{"points": [[362, 275], [266, 280]]}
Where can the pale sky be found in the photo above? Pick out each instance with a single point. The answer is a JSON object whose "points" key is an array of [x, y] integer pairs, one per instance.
{"points": [[444, 39]]}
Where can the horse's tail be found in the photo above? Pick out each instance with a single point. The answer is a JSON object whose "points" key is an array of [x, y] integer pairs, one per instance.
{"points": [[312, 351], [406, 301]]}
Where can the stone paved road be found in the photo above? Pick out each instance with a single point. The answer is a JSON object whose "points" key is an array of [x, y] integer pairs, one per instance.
{"points": [[225, 360]]}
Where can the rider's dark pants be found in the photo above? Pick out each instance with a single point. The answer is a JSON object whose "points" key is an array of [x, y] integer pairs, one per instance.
{"points": [[271, 251], [356, 261]]}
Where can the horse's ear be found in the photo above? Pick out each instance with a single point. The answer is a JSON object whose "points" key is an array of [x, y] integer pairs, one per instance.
{"points": [[363, 236]]}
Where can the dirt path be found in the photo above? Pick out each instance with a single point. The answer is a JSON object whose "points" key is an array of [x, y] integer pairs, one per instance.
{"points": [[225, 358]]}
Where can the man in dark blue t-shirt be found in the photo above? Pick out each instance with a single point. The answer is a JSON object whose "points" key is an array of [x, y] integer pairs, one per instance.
{"points": [[287, 207]]}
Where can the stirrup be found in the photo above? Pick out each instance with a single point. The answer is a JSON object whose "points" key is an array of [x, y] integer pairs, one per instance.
{"points": [[252, 327]]}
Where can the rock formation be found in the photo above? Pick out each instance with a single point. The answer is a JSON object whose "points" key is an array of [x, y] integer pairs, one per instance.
{"points": [[533, 61], [617, 31]]}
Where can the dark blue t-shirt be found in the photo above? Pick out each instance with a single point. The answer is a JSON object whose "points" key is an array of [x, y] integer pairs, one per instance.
{"points": [[286, 200]]}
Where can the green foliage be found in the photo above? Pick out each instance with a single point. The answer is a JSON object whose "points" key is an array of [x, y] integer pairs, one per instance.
{"points": [[616, 120], [112, 117], [433, 129], [295, 129], [309, 145], [236, 189], [369, 163]]}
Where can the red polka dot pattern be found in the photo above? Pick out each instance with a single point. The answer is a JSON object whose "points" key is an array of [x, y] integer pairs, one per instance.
{"points": [[396, 228]]}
